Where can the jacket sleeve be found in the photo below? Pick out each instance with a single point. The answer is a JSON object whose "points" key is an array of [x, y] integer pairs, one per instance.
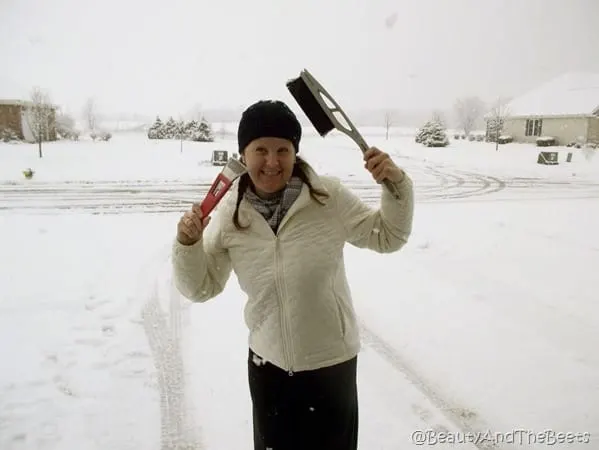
{"points": [[201, 270], [383, 230]]}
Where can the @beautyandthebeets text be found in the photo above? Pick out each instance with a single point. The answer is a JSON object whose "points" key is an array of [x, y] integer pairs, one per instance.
{"points": [[517, 437]]}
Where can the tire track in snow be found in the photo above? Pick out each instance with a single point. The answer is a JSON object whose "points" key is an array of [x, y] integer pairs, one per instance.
{"points": [[444, 181], [170, 196], [465, 420], [462, 184], [164, 337]]}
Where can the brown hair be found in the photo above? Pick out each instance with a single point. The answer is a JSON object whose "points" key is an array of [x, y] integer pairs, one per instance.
{"points": [[300, 170]]}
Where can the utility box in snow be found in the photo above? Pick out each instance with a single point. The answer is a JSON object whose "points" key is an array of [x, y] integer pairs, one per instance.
{"points": [[547, 158], [569, 157], [220, 157]]}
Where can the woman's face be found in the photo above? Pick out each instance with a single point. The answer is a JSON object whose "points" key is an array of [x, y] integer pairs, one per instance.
{"points": [[270, 163]]}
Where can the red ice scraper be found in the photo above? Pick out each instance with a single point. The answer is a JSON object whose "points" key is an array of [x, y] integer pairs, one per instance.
{"points": [[232, 170]]}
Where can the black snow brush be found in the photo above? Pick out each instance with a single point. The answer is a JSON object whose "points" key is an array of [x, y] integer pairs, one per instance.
{"points": [[310, 96]]}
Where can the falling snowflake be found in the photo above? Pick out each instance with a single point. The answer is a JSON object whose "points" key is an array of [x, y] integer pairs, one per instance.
{"points": [[390, 20]]}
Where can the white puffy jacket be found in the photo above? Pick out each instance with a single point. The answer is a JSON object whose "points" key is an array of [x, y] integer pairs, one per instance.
{"points": [[299, 308]]}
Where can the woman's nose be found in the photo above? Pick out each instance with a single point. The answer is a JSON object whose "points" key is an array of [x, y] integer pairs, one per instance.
{"points": [[272, 160]]}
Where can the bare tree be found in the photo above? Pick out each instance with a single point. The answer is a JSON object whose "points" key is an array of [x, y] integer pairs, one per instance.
{"points": [[496, 120], [41, 117], [90, 114], [388, 123], [468, 111], [438, 117]]}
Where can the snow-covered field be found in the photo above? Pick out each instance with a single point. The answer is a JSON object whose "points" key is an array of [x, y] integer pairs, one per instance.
{"points": [[488, 320]]}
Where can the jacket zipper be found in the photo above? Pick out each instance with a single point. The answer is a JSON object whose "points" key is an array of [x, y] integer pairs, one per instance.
{"points": [[287, 341]]}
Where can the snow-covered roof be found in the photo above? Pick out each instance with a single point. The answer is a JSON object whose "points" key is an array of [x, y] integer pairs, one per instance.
{"points": [[572, 94], [13, 102], [25, 103]]}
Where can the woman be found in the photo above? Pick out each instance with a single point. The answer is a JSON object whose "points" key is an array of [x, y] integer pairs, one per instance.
{"points": [[283, 231]]}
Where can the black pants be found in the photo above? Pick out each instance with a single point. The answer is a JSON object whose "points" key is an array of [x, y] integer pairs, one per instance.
{"points": [[309, 410]]}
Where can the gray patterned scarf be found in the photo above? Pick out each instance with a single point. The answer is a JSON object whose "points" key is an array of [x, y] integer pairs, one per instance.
{"points": [[274, 209]]}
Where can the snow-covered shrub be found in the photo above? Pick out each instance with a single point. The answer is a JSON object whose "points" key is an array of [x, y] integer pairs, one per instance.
{"points": [[63, 133], [437, 139], [546, 141], [432, 134], [578, 143], [8, 135], [100, 135], [66, 128]]}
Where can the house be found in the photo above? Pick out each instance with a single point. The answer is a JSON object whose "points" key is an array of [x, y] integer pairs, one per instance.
{"points": [[13, 117], [565, 108]]}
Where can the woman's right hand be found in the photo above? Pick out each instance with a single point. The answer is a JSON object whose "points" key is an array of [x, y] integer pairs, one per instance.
{"points": [[191, 226]]}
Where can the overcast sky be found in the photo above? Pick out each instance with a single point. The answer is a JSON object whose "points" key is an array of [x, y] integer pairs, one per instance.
{"points": [[164, 56]]}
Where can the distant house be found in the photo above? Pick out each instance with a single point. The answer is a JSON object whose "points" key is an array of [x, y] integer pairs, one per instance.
{"points": [[565, 108], [13, 117]]}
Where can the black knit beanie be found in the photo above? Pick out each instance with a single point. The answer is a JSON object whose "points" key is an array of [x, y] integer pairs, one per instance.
{"points": [[268, 118]]}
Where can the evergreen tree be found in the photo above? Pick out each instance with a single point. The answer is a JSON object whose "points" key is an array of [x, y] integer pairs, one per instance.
{"points": [[193, 130], [205, 131], [494, 128], [190, 128], [170, 129], [437, 136], [155, 131], [432, 134], [180, 130], [424, 132]]}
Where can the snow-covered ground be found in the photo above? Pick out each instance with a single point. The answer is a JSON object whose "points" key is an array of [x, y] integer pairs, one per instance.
{"points": [[487, 320]]}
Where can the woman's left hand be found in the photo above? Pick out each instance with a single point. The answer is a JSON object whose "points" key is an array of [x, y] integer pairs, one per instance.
{"points": [[381, 166]]}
